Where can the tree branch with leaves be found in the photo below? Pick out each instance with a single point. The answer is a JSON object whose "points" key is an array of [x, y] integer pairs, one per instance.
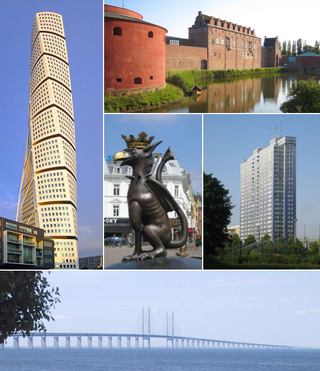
{"points": [[26, 300]]}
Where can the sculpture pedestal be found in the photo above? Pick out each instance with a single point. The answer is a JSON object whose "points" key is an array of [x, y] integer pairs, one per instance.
{"points": [[160, 263]]}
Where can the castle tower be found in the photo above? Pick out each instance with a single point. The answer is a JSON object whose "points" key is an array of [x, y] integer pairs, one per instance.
{"points": [[48, 191]]}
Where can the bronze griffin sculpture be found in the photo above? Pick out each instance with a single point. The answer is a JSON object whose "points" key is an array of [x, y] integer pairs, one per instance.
{"points": [[149, 201]]}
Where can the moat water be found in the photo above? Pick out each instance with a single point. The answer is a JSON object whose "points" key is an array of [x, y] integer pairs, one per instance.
{"points": [[243, 95]]}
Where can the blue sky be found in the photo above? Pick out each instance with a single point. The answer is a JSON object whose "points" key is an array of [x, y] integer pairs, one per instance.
{"points": [[254, 306], [228, 139], [181, 132], [270, 18], [83, 22]]}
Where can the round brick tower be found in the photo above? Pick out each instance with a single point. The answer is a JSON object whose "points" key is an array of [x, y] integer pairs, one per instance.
{"points": [[134, 53]]}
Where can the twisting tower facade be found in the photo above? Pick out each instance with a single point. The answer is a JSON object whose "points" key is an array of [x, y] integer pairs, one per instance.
{"points": [[48, 191]]}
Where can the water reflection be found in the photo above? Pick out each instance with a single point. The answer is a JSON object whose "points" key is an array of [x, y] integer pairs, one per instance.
{"points": [[256, 95]]}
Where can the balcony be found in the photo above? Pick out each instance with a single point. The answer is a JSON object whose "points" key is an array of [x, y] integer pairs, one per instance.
{"points": [[27, 241], [13, 258], [28, 260], [12, 239], [13, 249]]}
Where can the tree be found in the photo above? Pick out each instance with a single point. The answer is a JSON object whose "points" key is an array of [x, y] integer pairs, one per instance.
{"points": [[294, 48], [266, 238], [250, 240], [235, 242], [304, 46], [217, 214], [284, 48], [314, 248], [303, 97], [299, 46], [289, 53], [25, 301]]}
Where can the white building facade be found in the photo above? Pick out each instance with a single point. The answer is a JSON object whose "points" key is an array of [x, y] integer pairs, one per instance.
{"points": [[268, 191], [48, 192], [116, 185]]}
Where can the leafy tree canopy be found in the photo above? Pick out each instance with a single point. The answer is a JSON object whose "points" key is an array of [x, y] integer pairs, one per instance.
{"points": [[303, 97], [314, 247], [266, 237], [249, 240], [217, 214], [235, 241], [25, 302]]}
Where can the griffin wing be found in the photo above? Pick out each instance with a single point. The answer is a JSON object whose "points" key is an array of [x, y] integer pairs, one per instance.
{"points": [[161, 193]]}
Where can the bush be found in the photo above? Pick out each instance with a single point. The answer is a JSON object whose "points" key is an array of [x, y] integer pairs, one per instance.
{"points": [[303, 97]]}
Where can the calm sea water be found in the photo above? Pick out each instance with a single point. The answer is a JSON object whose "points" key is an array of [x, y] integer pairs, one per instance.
{"points": [[159, 359]]}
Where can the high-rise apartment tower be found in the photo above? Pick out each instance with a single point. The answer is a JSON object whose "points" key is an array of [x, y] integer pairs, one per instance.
{"points": [[48, 191], [268, 191]]}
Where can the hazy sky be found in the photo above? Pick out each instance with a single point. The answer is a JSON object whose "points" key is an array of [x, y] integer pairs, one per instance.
{"points": [[254, 306], [183, 133], [287, 20], [228, 139], [83, 22]]}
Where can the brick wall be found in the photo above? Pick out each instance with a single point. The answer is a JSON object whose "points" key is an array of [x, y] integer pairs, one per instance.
{"points": [[180, 57]]}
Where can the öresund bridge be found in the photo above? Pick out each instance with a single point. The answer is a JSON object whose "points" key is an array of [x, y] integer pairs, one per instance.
{"points": [[131, 340]]}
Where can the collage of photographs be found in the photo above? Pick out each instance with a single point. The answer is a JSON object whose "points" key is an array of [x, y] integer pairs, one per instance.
{"points": [[159, 206]]}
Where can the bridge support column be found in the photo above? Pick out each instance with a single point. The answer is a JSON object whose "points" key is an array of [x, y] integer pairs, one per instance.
{"points": [[137, 342], [79, 342], [176, 343], [43, 342], [188, 343], [16, 342], [89, 342], [67, 342], [182, 343], [56, 342], [128, 342], [119, 342], [30, 342], [110, 342], [100, 342]]}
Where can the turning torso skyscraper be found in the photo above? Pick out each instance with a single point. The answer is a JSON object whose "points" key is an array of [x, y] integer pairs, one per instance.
{"points": [[48, 192]]}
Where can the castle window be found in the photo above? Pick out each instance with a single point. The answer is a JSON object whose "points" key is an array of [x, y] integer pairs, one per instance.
{"points": [[151, 77], [150, 34], [119, 80], [217, 41], [117, 31], [138, 80]]}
